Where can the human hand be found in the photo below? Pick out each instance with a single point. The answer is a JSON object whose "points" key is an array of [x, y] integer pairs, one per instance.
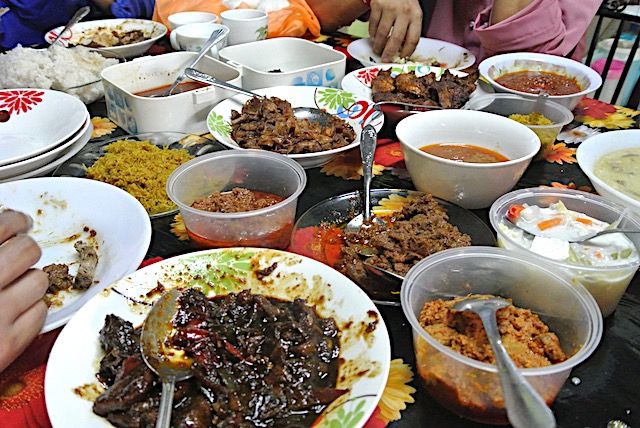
{"points": [[22, 310], [401, 18]]}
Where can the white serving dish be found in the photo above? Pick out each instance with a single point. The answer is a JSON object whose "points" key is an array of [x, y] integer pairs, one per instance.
{"points": [[447, 54], [499, 65], [594, 148], [356, 111], [154, 30], [184, 112], [37, 121], [301, 63], [59, 208]]}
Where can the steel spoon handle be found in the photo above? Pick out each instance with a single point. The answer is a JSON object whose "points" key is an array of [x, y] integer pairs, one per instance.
{"points": [[166, 403], [368, 142], [80, 13], [606, 232], [525, 407], [205, 78]]}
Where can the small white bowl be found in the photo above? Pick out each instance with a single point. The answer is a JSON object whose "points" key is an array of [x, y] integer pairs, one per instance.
{"points": [[499, 65], [154, 30], [597, 146], [470, 185]]}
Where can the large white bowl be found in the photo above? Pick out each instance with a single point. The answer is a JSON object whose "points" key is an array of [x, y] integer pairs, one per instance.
{"points": [[37, 121], [65, 207], [364, 341], [470, 185], [356, 111], [594, 148], [154, 30], [499, 65], [446, 54]]}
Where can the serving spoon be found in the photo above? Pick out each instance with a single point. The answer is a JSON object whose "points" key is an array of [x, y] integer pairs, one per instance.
{"points": [[525, 407], [311, 113], [80, 13], [159, 356]]}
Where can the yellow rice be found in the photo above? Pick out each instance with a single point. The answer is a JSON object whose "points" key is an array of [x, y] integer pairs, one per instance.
{"points": [[534, 118], [141, 169]]}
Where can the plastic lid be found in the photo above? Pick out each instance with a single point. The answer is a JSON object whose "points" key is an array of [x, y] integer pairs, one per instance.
{"points": [[615, 70]]}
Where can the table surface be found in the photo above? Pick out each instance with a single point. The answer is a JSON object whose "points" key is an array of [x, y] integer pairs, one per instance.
{"points": [[604, 388]]}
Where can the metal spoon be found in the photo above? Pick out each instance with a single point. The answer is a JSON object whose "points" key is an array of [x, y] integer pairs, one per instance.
{"points": [[160, 358], [368, 142], [311, 113], [533, 230], [525, 407], [81, 13], [215, 37]]}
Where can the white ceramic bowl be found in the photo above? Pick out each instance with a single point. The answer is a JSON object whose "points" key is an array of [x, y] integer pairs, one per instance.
{"points": [[60, 210], [151, 29], [470, 185], [184, 112], [354, 110], [428, 51], [499, 65], [298, 62], [607, 284], [364, 340], [595, 147]]}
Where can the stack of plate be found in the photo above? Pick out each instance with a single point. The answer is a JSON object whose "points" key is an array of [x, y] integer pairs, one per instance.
{"points": [[39, 130]]}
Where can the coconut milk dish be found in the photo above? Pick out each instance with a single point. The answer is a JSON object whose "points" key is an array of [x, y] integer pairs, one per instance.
{"points": [[621, 170]]}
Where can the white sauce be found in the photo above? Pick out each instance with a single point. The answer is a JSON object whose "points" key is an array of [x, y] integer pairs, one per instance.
{"points": [[621, 170]]}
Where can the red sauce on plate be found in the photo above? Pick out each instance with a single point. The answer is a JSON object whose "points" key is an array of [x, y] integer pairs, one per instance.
{"points": [[182, 87], [534, 81], [278, 239], [464, 153]]}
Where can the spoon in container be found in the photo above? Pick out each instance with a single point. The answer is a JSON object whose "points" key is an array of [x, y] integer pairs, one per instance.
{"points": [[80, 13], [525, 407], [311, 113], [167, 362]]}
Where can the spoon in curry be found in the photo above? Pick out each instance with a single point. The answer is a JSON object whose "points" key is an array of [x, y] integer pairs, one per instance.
{"points": [[311, 113], [525, 407], [170, 364]]}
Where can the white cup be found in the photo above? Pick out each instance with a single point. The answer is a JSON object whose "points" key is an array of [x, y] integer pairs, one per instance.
{"points": [[245, 25], [181, 18], [191, 37]]}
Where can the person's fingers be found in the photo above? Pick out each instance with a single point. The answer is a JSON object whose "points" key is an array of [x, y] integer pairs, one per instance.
{"points": [[395, 39], [22, 294], [374, 21], [17, 254], [382, 33], [411, 38], [22, 333], [12, 223]]}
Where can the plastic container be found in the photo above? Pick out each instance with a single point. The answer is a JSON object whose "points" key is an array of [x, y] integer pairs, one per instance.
{"points": [[471, 388], [507, 104], [611, 80], [606, 284], [256, 170], [622, 53]]}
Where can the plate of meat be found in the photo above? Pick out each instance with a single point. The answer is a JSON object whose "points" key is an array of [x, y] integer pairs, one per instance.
{"points": [[277, 339], [416, 225], [87, 241], [268, 123]]}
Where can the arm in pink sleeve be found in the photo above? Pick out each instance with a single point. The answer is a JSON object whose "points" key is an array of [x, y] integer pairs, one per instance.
{"points": [[547, 26]]}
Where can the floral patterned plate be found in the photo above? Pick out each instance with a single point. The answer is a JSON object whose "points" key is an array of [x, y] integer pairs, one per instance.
{"points": [[356, 110], [364, 341], [318, 232]]}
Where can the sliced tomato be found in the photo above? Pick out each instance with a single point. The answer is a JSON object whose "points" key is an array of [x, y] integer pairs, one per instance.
{"points": [[514, 211]]}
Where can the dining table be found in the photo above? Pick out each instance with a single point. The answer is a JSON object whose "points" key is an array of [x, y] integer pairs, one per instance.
{"points": [[603, 391]]}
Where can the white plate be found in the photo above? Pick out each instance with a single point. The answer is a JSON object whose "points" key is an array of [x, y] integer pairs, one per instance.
{"points": [[154, 30], [355, 110], [45, 169], [226, 270], [34, 121], [26, 165], [447, 54], [359, 81], [63, 207]]}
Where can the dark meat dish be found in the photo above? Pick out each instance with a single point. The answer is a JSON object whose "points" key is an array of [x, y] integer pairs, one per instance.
{"points": [[419, 230], [269, 124], [236, 201], [88, 259], [258, 362], [448, 92], [61, 279]]}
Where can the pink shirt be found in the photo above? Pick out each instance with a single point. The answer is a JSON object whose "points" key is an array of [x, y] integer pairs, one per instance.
{"points": [[548, 26]]}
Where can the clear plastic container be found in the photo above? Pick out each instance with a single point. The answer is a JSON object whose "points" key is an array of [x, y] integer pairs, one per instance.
{"points": [[471, 388], [256, 170], [606, 284]]}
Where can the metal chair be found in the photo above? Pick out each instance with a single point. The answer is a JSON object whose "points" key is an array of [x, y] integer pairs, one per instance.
{"points": [[614, 9]]}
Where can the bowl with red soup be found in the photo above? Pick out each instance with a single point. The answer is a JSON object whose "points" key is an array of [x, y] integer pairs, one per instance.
{"points": [[466, 157], [528, 74], [238, 198]]}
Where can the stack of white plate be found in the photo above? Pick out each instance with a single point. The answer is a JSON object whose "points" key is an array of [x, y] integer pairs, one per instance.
{"points": [[39, 130]]}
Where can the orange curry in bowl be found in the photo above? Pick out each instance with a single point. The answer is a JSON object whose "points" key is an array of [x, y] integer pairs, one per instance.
{"points": [[534, 82]]}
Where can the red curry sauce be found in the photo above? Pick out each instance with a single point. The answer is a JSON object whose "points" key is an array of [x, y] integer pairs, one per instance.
{"points": [[464, 153], [534, 81]]}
